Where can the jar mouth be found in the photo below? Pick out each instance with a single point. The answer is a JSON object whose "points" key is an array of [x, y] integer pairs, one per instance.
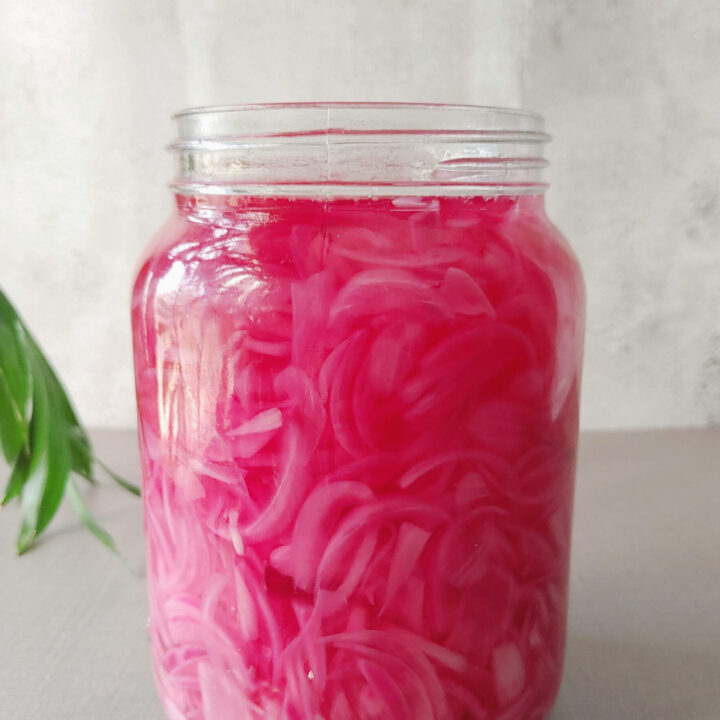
{"points": [[274, 119], [337, 148]]}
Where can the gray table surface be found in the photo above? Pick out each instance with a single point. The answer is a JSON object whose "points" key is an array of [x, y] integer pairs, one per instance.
{"points": [[644, 635]]}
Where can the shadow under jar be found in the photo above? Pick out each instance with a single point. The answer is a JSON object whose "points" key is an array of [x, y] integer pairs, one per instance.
{"points": [[357, 343]]}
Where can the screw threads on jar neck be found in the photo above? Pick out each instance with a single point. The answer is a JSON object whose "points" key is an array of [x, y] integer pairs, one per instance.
{"points": [[359, 149]]}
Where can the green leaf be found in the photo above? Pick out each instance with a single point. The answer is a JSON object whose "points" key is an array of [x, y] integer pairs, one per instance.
{"points": [[87, 519], [49, 459], [59, 457], [32, 490], [130, 487], [13, 424], [40, 433], [78, 441], [15, 383], [18, 477], [81, 453]]}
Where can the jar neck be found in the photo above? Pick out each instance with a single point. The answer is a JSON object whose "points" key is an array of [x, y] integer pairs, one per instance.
{"points": [[337, 149]]}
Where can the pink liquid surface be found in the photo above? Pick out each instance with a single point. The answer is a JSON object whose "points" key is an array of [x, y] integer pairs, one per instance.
{"points": [[358, 423]]}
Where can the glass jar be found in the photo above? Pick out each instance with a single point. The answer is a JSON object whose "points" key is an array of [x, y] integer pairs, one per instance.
{"points": [[357, 347]]}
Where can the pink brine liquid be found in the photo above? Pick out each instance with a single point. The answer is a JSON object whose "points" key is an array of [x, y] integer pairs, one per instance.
{"points": [[358, 421]]}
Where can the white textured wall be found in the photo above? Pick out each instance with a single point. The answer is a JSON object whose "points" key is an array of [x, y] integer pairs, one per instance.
{"points": [[630, 90]]}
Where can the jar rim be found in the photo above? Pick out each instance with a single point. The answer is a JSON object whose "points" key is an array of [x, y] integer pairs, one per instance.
{"points": [[274, 119], [351, 104], [358, 148]]}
